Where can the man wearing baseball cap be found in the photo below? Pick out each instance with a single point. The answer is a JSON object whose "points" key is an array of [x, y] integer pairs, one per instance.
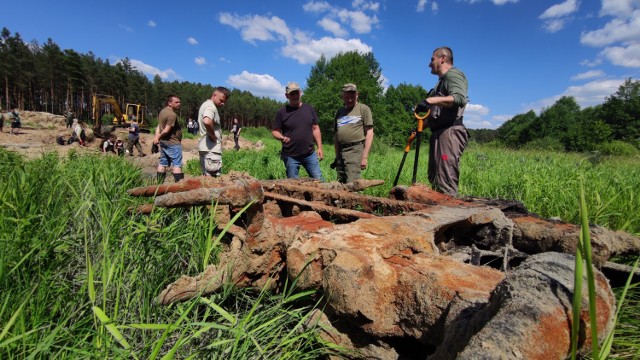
{"points": [[353, 135], [296, 126]]}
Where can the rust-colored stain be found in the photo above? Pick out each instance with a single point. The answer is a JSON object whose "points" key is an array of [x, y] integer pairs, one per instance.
{"points": [[548, 338], [303, 223]]}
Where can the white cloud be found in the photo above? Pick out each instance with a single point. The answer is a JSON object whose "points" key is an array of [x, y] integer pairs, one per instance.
{"points": [[421, 5], [588, 75], [258, 84], [333, 27], [434, 7], [151, 71], [316, 6], [366, 5], [481, 120], [151, 23], [617, 30], [192, 41], [553, 25], [589, 94], [222, 59], [620, 37], [556, 16], [200, 60], [559, 10], [309, 52], [258, 27], [126, 28], [591, 63], [618, 8], [628, 56], [501, 2], [297, 44], [358, 20]]}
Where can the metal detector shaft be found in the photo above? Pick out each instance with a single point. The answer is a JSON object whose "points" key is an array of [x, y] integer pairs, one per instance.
{"points": [[418, 140], [404, 156]]}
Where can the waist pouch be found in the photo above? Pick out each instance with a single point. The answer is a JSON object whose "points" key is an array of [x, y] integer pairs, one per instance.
{"points": [[441, 118]]}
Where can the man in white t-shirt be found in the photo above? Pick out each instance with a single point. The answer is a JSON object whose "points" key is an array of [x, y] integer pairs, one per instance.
{"points": [[210, 130]]}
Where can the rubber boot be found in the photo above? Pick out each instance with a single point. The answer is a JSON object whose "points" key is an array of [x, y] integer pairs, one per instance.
{"points": [[161, 176], [178, 177]]}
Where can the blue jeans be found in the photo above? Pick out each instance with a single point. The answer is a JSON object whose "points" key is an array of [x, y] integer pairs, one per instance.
{"points": [[171, 155], [309, 162]]}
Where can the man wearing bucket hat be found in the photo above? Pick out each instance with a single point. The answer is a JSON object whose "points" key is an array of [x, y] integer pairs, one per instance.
{"points": [[353, 135], [296, 127]]}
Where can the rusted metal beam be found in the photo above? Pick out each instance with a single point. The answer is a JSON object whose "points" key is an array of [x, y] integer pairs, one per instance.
{"points": [[345, 199], [342, 215]]}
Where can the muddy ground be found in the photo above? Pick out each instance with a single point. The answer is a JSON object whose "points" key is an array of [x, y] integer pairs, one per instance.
{"points": [[40, 129]]}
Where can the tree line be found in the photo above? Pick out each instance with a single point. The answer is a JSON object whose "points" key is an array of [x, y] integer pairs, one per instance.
{"points": [[565, 126], [46, 78], [43, 77]]}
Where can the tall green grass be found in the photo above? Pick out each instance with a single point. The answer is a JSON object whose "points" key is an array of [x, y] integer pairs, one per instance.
{"points": [[79, 274]]}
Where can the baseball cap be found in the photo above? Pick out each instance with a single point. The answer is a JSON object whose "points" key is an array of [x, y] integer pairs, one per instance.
{"points": [[349, 87], [292, 86]]}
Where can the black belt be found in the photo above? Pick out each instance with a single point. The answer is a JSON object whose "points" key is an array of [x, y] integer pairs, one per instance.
{"points": [[348, 145]]}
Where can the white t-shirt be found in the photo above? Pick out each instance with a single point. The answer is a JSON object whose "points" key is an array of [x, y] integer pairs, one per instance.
{"points": [[208, 109]]}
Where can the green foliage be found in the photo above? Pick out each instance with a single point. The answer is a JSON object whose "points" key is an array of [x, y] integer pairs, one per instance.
{"points": [[516, 132], [547, 143], [399, 120], [586, 134], [325, 83], [580, 130], [617, 148], [482, 136], [621, 111]]}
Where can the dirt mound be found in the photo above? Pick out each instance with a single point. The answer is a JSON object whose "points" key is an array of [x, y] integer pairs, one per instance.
{"points": [[40, 129]]}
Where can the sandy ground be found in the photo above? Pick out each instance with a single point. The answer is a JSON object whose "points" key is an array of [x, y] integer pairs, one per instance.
{"points": [[40, 130]]}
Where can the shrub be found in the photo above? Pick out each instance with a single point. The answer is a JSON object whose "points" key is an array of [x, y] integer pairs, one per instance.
{"points": [[546, 143], [618, 148]]}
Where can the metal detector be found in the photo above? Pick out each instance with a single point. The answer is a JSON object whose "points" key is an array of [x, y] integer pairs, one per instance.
{"points": [[416, 134]]}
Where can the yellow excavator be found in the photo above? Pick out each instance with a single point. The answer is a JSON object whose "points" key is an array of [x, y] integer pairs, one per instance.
{"points": [[122, 119]]}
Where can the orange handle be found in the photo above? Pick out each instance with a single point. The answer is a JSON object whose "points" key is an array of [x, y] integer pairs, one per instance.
{"points": [[421, 119], [409, 141]]}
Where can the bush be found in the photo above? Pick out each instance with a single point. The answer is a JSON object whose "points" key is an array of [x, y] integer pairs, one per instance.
{"points": [[618, 148], [546, 143]]}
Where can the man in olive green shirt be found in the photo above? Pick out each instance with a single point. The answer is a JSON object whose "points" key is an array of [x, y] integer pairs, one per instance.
{"points": [[353, 135], [449, 136], [169, 138]]}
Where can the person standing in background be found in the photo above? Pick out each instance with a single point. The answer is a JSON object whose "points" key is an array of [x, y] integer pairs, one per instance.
{"points": [[210, 145], [169, 140], [134, 139], [235, 129]]}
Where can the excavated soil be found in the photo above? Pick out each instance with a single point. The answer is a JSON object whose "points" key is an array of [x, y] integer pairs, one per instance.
{"points": [[40, 129]]}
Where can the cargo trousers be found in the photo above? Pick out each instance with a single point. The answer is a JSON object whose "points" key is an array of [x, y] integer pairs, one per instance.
{"points": [[445, 150]]}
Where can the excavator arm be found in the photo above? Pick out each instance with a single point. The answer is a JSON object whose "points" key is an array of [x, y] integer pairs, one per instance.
{"points": [[121, 119]]}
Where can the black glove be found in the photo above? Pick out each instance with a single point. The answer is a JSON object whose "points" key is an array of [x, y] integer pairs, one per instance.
{"points": [[333, 164], [422, 107]]}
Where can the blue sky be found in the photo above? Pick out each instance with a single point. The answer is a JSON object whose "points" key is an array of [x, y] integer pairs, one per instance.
{"points": [[518, 55]]}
